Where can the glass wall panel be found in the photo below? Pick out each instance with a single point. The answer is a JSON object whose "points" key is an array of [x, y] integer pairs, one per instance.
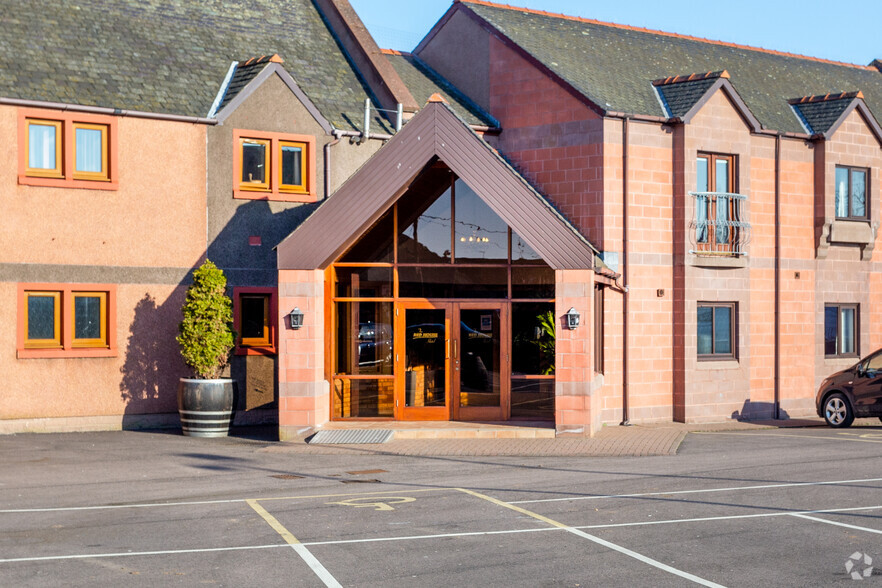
{"points": [[481, 236], [363, 398], [480, 336], [479, 282], [521, 253], [425, 282], [364, 282], [532, 338], [425, 348], [533, 399], [532, 282], [424, 227], [376, 246], [364, 338]]}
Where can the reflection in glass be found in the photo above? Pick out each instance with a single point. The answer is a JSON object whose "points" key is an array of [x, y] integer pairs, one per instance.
{"points": [[858, 191], [425, 236], [41, 317], [41, 146], [846, 331], [521, 253], [705, 330], [479, 282], [87, 317], [292, 161], [723, 330], [364, 282], [479, 355], [376, 244], [841, 192], [481, 236], [533, 399], [425, 344], [364, 338], [701, 201], [426, 282], [253, 162], [363, 398], [831, 329], [532, 282], [532, 338]]}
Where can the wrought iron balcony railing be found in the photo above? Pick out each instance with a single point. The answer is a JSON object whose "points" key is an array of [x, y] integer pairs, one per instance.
{"points": [[719, 224]]}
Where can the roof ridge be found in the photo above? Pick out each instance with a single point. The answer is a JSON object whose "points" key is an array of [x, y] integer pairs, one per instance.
{"points": [[274, 58], [394, 52], [693, 77], [826, 97], [664, 33]]}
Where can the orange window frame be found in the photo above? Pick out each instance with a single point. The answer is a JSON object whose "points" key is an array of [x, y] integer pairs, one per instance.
{"points": [[265, 345], [273, 189], [101, 341], [43, 172], [65, 345], [65, 174], [55, 341], [100, 176]]}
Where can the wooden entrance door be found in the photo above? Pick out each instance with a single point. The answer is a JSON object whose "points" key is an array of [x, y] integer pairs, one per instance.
{"points": [[452, 361]]}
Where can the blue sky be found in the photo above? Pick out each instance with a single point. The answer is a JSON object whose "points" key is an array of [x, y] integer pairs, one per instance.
{"points": [[842, 31]]}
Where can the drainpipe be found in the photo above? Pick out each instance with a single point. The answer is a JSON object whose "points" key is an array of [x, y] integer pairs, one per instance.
{"points": [[626, 421], [328, 164], [777, 383]]}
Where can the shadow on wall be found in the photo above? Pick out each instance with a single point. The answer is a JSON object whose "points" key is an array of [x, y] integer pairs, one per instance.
{"points": [[757, 411], [153, 364]]}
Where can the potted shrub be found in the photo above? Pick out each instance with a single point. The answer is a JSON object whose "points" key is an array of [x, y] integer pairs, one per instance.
{"points": [[206, 337]]}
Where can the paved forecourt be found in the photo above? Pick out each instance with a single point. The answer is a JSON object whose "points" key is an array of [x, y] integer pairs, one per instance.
{"points": [[798, 528]]}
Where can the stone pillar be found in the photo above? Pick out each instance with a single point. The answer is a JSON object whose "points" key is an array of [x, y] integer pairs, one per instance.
{"points": [[304, 396], [573, 410]]}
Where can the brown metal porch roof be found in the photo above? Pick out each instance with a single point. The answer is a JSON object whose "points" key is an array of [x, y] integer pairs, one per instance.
{"points": [[434, 131]]}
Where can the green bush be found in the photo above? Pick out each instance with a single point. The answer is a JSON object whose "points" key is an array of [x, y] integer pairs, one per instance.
{"points": [[206, 335]]}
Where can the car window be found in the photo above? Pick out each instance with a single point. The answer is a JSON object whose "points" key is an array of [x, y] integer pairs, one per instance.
{"points": [[874, 363]]}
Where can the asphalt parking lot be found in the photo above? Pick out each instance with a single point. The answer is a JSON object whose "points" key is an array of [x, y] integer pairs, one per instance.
{"points": [[774, 506]]}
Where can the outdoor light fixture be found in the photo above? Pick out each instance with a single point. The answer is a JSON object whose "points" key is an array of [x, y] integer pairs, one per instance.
{"points": [[572, 318], [296, 318]]}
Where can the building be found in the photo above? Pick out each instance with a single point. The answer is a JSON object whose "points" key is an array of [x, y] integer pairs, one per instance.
{"points": [[707, 212]]}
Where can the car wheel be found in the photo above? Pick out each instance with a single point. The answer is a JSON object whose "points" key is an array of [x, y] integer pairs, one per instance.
{"points": [[837, 411]]}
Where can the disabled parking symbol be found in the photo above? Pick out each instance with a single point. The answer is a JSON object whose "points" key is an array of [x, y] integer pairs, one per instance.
{"points": [[378, 502]]}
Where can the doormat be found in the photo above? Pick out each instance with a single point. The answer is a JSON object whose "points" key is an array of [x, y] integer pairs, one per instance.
{"points": [[351, 436]]}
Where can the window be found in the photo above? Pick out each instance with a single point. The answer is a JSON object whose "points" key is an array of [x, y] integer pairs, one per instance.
{"points": [[67, 149], [840, 330], [254, 318], [719, 228], [274, 166], [716, 330], [851, 193], [66, 320], [598, 329]]}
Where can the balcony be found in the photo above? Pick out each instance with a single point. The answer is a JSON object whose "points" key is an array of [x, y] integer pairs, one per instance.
{"points": [[719, 227]]}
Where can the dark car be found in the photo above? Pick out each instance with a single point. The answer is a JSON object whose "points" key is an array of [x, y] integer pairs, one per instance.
{"points": [[852, 392]]}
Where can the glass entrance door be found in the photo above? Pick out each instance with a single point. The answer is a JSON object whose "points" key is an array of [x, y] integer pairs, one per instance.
{"points": [[423, 362], [481, 362], [452, 361]]}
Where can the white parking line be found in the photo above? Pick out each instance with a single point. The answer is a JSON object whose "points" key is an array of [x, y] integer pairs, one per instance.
{"points": [[448, 535], [838, 524], [701, 491]]}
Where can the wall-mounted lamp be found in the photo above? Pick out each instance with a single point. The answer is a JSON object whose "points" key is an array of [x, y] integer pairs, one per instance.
{"points": [[296, 318], [572, 318]]}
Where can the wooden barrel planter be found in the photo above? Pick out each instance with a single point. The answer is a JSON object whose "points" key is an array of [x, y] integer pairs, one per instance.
{"points": [[206, 407]]}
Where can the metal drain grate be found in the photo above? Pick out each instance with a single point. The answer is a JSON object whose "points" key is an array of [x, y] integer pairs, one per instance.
{"points": [[351, 436]]}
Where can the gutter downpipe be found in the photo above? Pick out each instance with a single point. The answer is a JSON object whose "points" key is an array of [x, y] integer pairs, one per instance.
{"points": [[328, 163], [777, 378], [626, 421]]}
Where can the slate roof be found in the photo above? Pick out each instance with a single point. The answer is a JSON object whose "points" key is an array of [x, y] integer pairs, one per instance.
{"points": [[423, 81], [819, 113], [168, 57], [680, 94], [614, 65], [243, 74]]}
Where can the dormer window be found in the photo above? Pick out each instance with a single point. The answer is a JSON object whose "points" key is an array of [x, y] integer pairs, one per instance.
{"points": [[851, 193], [274, 166]]}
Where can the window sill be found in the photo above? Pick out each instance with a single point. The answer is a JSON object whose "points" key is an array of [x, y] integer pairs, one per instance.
{"points": [[717, 261], [65, 353], [851, 231], [274, 196], [67, 183], [250, 350], [717, 364]]}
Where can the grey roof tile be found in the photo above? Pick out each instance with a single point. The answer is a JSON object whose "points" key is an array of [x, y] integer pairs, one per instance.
{"points": [[613, 66], [168, 57], [819, 113]]}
